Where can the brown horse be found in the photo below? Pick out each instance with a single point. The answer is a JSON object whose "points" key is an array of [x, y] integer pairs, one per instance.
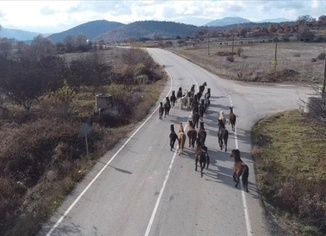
{"points": [[173, 137], [179, 93], [160, 110], [223, 135], [232, 119], [181, 139], [192, 134], [201, 156], [195, 117], [167, 106], [202, 133], [173, 98], [240, 169]]}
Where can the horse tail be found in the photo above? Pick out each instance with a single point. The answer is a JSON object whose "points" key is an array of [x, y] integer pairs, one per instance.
{"points": [[245, 175], [207, 158]]}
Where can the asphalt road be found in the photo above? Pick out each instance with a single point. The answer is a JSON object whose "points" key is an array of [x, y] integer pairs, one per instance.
{"points": [[142, 188]]}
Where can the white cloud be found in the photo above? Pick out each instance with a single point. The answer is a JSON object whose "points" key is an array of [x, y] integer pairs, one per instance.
{"points": [[56, 16]]}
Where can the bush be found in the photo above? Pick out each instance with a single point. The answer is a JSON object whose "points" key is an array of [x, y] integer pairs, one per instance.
{"points": [[230, 58], [321, 56], [239, 51], [297, 54]]}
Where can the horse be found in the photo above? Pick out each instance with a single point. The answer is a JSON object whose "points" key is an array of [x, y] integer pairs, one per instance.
{"points": [[232, 119], [173, 137], [201, 156], [173, 98], [179, 93], [192, 90], [240, 169], [195, 117], [202, 133], [181, 139], [202, 87], [167, 107], [192, 134], [160, 110], [222, 134], [202, 109], [208, 94], [185, 101]]}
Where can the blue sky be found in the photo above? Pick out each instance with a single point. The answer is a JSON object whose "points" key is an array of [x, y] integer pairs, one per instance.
{"points": [[56, 16]]}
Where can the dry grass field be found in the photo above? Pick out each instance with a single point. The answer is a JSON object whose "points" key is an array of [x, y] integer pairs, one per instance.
{"points": [[296, 61]]}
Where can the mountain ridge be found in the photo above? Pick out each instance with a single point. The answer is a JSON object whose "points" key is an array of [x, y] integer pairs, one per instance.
{"points": [[100, 29]]}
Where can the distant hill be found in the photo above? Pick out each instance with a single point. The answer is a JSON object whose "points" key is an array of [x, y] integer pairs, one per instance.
{"points": [[91, 29], [228, 21], [19, 35], [275, 20], [149, 29]]}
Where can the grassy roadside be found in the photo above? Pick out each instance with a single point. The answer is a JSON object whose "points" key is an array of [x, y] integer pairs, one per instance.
{"points": [[291, 171]]}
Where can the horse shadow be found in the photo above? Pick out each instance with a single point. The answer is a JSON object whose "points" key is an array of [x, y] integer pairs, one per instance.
{"points": [[217, 97]]}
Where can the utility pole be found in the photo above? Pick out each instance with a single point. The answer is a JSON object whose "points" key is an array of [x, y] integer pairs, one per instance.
{"points": [[324, 83], [232, 46], [208, 42], [275, 60]]}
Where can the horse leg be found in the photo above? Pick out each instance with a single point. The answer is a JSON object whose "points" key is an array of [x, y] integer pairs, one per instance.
{"points": [[196, 164], [237, 178], [226, 136], [234, 177]]}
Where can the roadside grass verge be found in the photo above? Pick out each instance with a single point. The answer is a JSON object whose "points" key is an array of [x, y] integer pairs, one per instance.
{"points": [[291, 171]]}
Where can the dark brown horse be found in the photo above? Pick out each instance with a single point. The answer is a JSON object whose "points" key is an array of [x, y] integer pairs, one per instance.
{"points": [[173, 137], [167, 106], [181, 139], [202, 108], [179, 93], [201, 156], [192, 134], [223, 135], [173, 98], [160, 110], [232, 119], [240, 169], [195, 117], [202, 133]]}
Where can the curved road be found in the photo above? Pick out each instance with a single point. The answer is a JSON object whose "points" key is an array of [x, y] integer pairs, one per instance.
{"points": [[142, 188]]}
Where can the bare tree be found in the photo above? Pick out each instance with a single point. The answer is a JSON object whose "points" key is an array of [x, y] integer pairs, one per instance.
{"points": [[6, 47]]}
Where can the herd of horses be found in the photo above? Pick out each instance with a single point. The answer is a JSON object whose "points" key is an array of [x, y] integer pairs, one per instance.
{"points": [[196, 139]]}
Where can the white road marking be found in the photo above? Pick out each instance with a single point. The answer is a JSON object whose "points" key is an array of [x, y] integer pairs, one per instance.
{"points": [[243, 195]]}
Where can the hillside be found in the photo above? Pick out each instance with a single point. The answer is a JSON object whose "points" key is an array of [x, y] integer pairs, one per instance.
{"points": [[149, 29], [228, 21], [91, 29], [19, 35]]}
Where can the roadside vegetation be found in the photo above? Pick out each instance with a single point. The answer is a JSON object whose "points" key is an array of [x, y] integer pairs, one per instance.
{"points": [[45, 99], [289, 151]]}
